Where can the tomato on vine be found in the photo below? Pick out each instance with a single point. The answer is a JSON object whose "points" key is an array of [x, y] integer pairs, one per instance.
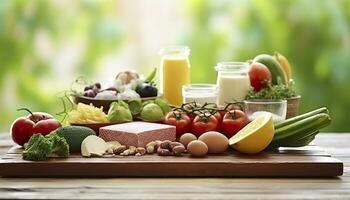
{"points": [[180, 120], [203, 123]]}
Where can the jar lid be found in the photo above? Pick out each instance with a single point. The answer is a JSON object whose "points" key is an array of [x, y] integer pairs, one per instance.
{"points": [[200, 88], [175, 50], [232, 66]]}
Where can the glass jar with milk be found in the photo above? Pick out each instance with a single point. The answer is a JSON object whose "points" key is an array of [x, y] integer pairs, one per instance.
{"points": [[232, 81], [199, 93]]}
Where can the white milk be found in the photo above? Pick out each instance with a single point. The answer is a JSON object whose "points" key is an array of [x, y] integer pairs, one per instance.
{"points": [[232, 88]]}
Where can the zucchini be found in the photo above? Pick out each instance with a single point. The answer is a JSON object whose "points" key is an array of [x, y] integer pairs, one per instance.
{"points": [[74, 136], [303, 126], [300, 117]]}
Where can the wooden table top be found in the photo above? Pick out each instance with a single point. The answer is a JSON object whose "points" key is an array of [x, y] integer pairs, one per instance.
{"points": [[186, 188]]}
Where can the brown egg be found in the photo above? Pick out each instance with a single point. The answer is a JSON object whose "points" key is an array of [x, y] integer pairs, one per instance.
{"points": [[187, 138], [197, 148], [216, 142]]}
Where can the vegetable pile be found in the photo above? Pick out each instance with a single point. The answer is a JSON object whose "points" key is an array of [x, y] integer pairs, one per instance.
{"points": [[127, 84], [271, 78], [150, 111]]}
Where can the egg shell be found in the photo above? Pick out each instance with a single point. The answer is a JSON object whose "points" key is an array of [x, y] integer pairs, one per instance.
{"points": [[186, 138], [216, 142], [197, 148]]}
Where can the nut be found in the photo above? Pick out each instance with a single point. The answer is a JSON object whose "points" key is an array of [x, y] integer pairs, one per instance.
{"points": [[151, 147], [174, 144], [163, 152], [179, 150], [165, 144], [129, 152], [119, 149], [141, 151]]}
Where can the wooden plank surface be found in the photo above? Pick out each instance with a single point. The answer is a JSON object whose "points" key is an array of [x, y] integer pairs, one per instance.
{"points": [[310, 161], [187, 188]]}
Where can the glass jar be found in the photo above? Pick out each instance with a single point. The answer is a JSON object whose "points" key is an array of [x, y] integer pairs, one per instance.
{"points": [[256, 107], [200, 93], [232, 81], [175, 72]]}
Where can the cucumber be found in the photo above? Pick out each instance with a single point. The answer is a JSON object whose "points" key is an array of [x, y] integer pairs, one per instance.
{"points": [[300, 117], [74, 136], [303, 141], [299, 143], [302, 127], [277, 72]]}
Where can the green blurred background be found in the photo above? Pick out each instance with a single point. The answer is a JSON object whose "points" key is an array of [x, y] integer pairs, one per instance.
{"points": [[45, 45]]}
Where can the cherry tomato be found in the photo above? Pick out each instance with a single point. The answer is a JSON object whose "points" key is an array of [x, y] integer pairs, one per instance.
{"points": [[233, 121], [204, 123], [181, 121], [259, 74]]}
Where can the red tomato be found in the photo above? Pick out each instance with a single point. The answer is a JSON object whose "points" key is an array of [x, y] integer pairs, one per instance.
{"points": [[259, 74], [229, 108], [22, 130], [181, 121], [202, 124], [24, 127], [233, 121]]}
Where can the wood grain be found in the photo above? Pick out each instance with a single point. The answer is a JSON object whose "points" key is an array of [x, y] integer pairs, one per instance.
{"points": [[310, 161], [337, 145]]}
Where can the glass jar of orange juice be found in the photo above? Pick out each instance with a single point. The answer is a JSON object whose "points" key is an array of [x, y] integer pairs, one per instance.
{"points": [[175, 72]]}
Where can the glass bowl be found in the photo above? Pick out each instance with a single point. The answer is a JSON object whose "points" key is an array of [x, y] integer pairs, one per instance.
{"points": [[256, 107]]}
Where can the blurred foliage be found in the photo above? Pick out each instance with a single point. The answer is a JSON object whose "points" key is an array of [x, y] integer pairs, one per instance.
{"points": [[24, 69], [313, 34]]}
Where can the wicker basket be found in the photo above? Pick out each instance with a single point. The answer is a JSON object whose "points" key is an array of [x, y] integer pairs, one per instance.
{"points": [[293, 106]]}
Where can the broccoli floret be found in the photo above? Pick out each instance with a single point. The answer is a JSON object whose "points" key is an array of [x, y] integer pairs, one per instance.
{"points": [[41, 148], [59, 145], [38, 148]]}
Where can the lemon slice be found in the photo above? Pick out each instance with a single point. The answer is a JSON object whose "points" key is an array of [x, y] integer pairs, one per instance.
{"points": [[255, 136]]}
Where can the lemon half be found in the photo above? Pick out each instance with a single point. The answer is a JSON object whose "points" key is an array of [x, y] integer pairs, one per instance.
{"points": [[255, 136]]}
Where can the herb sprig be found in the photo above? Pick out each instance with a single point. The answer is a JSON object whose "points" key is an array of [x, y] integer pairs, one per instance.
{"points": [[279, 91]]}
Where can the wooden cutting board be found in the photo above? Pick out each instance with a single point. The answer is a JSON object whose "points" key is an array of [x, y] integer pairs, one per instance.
{"points": [[309, 161]]}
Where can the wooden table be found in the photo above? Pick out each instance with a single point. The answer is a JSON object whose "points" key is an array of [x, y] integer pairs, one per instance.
{"points": [[187, 188]]}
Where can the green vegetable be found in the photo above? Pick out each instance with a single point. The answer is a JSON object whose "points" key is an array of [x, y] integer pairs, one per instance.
{"points": [[74, 136], [152, 113], [279, 91], [41, 147], [59, 146], [301, 132], [163, 104], [300, 117], [119, 112], [135, 106], [152, 75]]}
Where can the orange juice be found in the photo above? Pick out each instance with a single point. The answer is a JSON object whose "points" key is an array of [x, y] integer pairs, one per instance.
{"points": [[175, 69]]}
